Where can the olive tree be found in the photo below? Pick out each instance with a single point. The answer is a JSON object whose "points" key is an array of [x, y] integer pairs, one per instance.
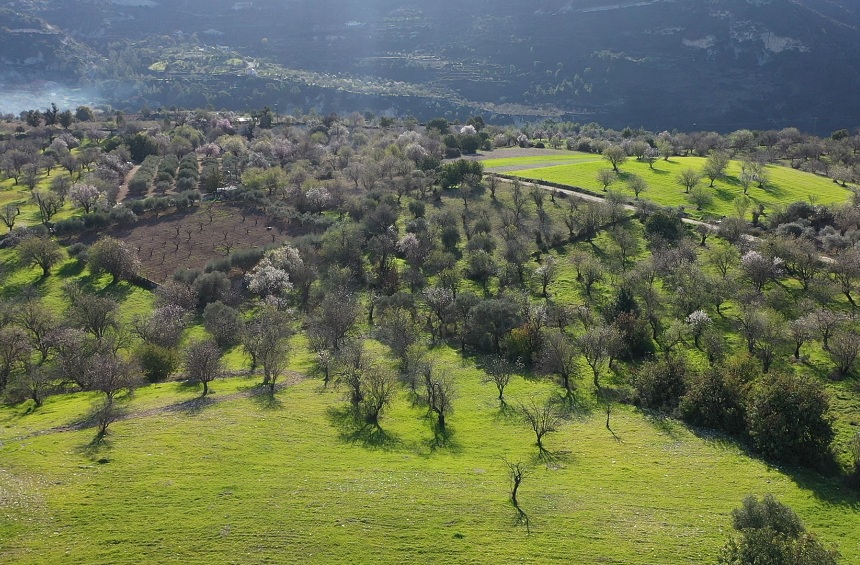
{"points": [[688, 178], [117, 258], [41, 251], [223, 322], [615, 155]]}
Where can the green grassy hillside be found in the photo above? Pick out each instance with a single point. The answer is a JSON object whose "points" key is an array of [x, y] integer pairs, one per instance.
{"points": [[786, 185], [247, 481]]}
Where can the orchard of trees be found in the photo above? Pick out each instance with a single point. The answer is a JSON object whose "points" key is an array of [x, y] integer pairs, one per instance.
{"points": [[408, 249]]}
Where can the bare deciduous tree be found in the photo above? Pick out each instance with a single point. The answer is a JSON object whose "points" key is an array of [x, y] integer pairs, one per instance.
{"points": [[14, 351], [203, 363], [440, 392], [558, 357], [844, 349], [543, 419], [499, 372], [8, 214]]}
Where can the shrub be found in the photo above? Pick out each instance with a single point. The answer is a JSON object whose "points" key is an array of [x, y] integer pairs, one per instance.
{"points": [[156, 362], [664, 224], [78, 251], [772, 534], [244, 259], [186, 183], [717, 397], [220, 264], [416, 208], [122, 215], [69, 226], [137, 207], [211, 287], [660, 384], [145, 176], [95, 220], [787, 418]]}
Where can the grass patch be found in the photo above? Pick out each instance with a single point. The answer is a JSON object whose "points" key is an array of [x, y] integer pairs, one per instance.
{"points": [[786, 185], [561, 157]]}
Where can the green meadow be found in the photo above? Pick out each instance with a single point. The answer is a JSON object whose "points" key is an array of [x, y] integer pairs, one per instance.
{"points": [[246, 480], [537, 160], [785, 186]]}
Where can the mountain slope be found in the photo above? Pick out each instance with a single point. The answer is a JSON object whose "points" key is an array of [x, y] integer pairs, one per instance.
{"points": [[719, 64]]}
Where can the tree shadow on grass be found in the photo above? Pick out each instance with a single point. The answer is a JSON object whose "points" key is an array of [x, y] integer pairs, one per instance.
{"points": [[505, 412], [666, 425], [570, 405], [724, 194], [266, 401], [554, 460], [117, 291], [70, 269], [354, 431], [97, 448], [826, 483], [195, 405], [830, 491], [443, 438], [520, 518]]}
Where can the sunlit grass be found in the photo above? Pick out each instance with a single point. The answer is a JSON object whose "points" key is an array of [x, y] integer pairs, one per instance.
{"points": [[246, 476], [786, 185]]}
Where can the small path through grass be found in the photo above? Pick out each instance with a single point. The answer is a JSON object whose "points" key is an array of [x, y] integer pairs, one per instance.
{"points": [[123, 189], [291, 378]]}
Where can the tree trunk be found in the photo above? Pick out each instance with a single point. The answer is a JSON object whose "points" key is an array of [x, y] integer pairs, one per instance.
{"points": [[205, 388], [517, 481]]}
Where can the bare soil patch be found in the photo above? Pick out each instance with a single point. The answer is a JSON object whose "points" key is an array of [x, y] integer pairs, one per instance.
{"points": [[192, 237]]}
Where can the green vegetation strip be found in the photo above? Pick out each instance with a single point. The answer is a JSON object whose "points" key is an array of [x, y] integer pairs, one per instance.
{"points": [[562, 157]]}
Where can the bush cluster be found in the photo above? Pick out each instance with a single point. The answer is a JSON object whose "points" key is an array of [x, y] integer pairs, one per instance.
{"points": [[145, 176], [781, 416], [189, 173]]}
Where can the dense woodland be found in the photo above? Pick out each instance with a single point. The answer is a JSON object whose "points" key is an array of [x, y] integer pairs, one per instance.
{"points": [[381, 233]]}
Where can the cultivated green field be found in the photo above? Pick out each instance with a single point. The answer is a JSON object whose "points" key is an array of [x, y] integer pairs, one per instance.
{"points": [[563, 157], [246, 481], [786, 185]]}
